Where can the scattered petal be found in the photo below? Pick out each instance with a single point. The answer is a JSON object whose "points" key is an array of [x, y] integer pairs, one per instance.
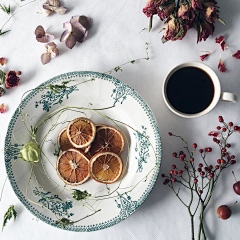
{"points": [[85, 21], [19, 73], [46, 12], [221, 41], [45, 58], [42, 36], [3, 61], [214, 134], [79, 32], [12, 80], [202, 57], [61, 10], [237, 54], [70, 41], [221, 66], [3, 108]]}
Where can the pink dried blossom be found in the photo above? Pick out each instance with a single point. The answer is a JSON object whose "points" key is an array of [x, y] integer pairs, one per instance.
{"points": [[52, 52], [221, 66], [221, 41], [150, 8], [214, 134], [165, 8], [42, 36], [12, 80], [237, 54], [202, 57], [3, 108], [3, 61]]}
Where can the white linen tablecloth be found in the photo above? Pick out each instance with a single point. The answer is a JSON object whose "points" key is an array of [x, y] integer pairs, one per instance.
{"points": [[116, 38]]}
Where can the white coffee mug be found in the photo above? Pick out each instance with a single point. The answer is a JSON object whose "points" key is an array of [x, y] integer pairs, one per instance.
{"points": [[218, 95]]}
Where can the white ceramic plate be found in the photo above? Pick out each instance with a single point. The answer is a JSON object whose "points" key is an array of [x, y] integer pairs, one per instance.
{"points": [[45, 191]]}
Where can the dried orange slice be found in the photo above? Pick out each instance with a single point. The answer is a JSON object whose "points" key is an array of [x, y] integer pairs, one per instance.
{"points": [[81, 132], [107, 139], [106, 167], [64, 143], [72, 167]]}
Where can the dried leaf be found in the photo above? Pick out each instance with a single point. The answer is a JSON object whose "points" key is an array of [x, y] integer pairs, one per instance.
{"points": [[3, 61], [11, 212], [2, 77]]}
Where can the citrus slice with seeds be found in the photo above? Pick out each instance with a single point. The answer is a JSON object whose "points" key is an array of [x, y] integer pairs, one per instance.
{"points": [[72, 167], [81, 132], [64, 143], [107, 139], [106, 167]]}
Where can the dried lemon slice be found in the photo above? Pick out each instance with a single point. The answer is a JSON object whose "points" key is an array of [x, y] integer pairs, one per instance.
{"points": [[106, 167], [81, 132]]}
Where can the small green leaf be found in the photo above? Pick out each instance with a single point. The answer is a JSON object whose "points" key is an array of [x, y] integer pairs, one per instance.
{"points": [[79, 195], [2, 77], [116, 69], [5, 8], [1, 33], [11, 212], [64, 222]]}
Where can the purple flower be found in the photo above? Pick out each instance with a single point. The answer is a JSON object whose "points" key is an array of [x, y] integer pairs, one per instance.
{"points": [[175, 30], [12, 80], [165, 8], [150, 8], [42, 36], [76, 30]]}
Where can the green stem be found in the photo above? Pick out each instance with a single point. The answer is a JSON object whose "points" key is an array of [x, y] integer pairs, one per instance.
{"points": [[201, 227], [150, 23]]}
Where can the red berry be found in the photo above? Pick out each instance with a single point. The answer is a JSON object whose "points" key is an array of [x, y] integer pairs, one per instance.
{"points": [[218, 141], [199, 169], [224, 150], [170, 134], [220, 118], [235, 128], [195, 180], [180, 171], [171, 172], [223, 161], [232, 162], [214, 139], [183, 155], [192, 159], [181, 152], [230, 124], [163, 175], [167, 180], [210, 166], [200, 191], [200, 150], [194, 145], [174, 180], [200, 165], [211, 175], [173, 166], [205, 168], [175, 173], [224, 154], [208, 170], [224, 129], [202, 173], [228, 145], [219, 161], [232, 157], [181, 159], [218, 127], [209, 149], [174, 154], [228, 158], [217, 167], [224, 212]]}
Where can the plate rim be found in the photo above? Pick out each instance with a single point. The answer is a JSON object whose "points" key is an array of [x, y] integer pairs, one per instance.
{"points": [[118, 218]]}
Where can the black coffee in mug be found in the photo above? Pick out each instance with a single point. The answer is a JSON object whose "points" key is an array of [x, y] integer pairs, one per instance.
{"points": [[190, 90]]}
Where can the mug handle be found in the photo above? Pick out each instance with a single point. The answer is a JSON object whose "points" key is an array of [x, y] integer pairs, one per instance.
{"points": [[228, 97]]}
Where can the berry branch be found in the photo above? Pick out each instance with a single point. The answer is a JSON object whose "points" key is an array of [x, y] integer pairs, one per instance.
{"points": [[201, 180]]}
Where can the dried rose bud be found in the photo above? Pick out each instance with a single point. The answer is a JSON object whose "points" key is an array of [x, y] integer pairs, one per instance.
{"points": [[3, 61], [165, 8], [12, 80], [2, 91], [150, 8], [3, 108]]}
